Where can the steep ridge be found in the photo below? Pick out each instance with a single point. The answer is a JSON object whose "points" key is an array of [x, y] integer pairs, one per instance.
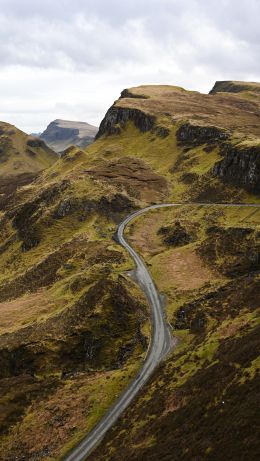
{"points": [[61, 134], [72, 319], [198, 122]]}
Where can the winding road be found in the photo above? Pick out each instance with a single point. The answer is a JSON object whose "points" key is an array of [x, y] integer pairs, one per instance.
{"points": [[160, 344]]}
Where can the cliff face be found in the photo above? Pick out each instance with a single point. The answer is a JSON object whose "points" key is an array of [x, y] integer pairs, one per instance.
{"points": [[240, 166], [235, 87], [193, 135], [214, 123], [61, 134], [117, 117]]}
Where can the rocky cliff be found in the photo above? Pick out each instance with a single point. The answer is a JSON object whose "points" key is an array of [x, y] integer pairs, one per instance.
{"points": [[229, 86], [218, 123], [240, 166], [117, 117]]}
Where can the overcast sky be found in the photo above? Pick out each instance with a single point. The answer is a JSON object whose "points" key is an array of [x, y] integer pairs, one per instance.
{"points": [[71, 58]]}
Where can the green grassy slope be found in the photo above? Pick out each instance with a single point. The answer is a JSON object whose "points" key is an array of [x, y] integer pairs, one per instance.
{"points": [[202, 401], [72, 319], [20, 153], [22, 158]]}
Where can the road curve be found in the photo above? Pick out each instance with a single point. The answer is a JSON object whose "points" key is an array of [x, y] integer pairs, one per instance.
{"points": [[160, 344]]}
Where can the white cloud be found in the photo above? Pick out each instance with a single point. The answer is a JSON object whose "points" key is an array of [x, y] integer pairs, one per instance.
{"points": [[71, 59]]}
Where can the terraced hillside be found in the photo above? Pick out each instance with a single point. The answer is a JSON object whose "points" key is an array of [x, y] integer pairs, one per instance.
{"points": [[75, 323]]}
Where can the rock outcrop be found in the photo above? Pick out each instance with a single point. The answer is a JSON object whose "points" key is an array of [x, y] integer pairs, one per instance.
{"points": [[196, 135], [117, 117], [129, 94], [234, 87], [240, 167]]}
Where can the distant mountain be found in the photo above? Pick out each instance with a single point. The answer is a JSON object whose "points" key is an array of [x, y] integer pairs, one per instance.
{"points": [[36, 135], [61, 134]]}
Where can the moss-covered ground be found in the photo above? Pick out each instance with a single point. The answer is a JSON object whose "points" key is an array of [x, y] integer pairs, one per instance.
{"points": [[201, 402], [75, 328]]}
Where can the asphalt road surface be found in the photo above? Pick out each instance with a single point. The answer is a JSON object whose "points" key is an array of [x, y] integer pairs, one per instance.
{"points": [[160, 344]]}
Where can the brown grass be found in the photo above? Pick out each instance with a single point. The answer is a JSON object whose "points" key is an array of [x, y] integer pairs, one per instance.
{"points": [[181, 268], [22, 311], [216, 110]]}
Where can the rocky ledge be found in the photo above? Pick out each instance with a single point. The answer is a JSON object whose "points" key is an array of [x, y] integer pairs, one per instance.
{"points": [[196, 135], [234, 87], [129, 94], [117, 117], [240, 167]]}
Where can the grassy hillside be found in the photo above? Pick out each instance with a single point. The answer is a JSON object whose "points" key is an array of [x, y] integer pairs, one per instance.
{"points": [[22, 157], [20, 153], [73, 321], [172, 104], [202, 401]]}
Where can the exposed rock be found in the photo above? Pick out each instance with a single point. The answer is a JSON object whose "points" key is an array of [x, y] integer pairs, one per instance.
{"points": [[240, 167], [161, 131], [234, 87], [180, 106], [63, 209], [35, 142], [71, 317], [117, 117], [197, 135], [128, 94], [107, 206]]}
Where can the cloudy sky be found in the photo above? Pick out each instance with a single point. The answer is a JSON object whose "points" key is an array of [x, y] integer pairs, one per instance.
{"points": [[71, 59]]}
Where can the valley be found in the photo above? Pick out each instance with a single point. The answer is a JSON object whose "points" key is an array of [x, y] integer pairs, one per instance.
{"points": [[75, 327]]}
